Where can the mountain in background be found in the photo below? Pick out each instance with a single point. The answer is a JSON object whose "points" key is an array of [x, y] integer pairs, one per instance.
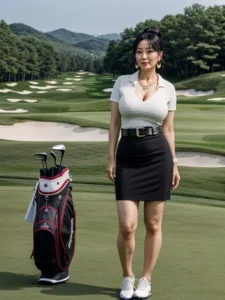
{"points": [[75, 38], [70, 36], [23, 30], [110, 36], [94, 44], [67, 41]]}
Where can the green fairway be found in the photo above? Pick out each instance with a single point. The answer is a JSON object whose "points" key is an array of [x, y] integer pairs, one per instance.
{"points": [[191, 263], [87, 163], [190, 266], [199, 123]]}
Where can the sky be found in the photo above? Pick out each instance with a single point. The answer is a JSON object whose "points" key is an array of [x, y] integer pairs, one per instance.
{"points": [[91, 16]]}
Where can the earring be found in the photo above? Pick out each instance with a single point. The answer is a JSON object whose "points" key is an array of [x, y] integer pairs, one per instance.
{"points": [[136, 66], [159, 64]]}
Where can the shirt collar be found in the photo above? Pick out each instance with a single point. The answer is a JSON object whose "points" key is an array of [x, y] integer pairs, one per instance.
{"points": [[134, 78]]}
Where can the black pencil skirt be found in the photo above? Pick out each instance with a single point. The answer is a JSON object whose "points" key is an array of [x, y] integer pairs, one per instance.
{"points": [[144, 168]]}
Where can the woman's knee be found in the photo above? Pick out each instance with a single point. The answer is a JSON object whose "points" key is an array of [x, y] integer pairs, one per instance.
{"points": [[128, 230], [152, 226]]}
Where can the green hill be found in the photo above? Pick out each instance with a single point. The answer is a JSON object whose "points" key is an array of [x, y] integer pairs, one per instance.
{"points": [[23, 30], [110, 36], [64, 40], [75, 37], [97, 45], [70, 36], [83, 40]]}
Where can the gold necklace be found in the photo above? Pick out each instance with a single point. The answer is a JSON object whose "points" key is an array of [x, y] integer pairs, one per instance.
{"points": [[145, 87]]}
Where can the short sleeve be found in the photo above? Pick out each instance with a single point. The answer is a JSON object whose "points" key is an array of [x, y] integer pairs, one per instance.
{"points": [[115, 95], [173, 99]]}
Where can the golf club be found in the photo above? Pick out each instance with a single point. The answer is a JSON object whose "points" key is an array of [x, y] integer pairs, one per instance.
{"points": [[62, 149], [54, 170], [43, 157], [54, 157]]}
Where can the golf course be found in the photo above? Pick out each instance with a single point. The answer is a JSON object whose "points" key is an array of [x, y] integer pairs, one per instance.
{"points": [[74, 109]]}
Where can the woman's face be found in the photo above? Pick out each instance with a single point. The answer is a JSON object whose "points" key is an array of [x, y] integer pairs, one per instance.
{"points": [[146, 57]]}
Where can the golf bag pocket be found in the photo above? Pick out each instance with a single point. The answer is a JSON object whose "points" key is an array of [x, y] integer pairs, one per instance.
{"points": [[55, 184], [46, 239], [54, 230]]}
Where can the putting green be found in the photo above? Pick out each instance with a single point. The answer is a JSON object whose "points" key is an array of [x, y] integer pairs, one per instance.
{"points": [[191, 262]]}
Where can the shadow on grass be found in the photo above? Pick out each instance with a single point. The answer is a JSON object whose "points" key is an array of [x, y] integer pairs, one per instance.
{"points": [[79, 289], [16, 281]]}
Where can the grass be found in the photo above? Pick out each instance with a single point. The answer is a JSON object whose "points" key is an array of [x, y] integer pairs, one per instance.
{"points": [[87, 162], [198, 127], [191, 263]]}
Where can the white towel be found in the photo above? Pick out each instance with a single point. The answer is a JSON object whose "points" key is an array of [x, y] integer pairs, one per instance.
{"points": [[31, 211]]}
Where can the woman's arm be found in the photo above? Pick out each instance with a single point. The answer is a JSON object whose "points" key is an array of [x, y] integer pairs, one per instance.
{"points": [[168, 131], [114, 131]]}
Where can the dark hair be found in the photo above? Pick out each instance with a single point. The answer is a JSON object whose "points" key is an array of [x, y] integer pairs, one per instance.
{"points": [[151, 34]]}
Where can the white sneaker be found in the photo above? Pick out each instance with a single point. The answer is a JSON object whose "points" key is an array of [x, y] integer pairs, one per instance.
{"points": [[143, 289], [127, 288]]}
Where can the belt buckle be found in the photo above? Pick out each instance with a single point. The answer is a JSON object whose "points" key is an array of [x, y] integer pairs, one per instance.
{"points": [[137, 132]]}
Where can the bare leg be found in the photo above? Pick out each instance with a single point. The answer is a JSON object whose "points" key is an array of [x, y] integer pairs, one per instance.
{"points": [[153, 213], [128, 216]]}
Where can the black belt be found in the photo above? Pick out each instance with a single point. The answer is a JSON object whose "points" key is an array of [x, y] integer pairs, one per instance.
{"points": [[140, 131]]}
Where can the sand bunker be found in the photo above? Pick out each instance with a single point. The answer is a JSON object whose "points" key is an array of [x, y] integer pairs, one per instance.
{"points": [[51, 82], [47, 87], [78, 79], [197, 159], [24, 92], [33, 82], [25, 100], [223, 75], [108, 90], [51, 131], [64, 90], [12, 91], [68, 83], [193, 93], [216, 99], [72, 79], [81, 73], [12, 84], [5, 91], [42, 92], [13, 111], [30, 100], [14, 100]]}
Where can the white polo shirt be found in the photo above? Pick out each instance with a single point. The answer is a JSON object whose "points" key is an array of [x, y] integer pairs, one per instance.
{"points": [[137, 113]]}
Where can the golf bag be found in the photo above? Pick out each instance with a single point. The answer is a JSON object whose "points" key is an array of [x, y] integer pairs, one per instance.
{"points": [[55, 221]]}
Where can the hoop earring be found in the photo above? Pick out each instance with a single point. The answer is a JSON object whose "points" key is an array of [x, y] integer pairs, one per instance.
{"points": [[159, 64], [136, 66]]}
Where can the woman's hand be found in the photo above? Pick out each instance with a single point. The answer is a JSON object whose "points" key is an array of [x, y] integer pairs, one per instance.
{"points": [[111, 169], [175, 178]]}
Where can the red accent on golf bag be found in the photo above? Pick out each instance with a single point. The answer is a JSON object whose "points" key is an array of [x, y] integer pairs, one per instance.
{"points": [[55, 224]]}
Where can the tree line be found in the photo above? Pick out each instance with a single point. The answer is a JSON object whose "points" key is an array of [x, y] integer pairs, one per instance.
{"points": [[194, 43], [23, 58]]}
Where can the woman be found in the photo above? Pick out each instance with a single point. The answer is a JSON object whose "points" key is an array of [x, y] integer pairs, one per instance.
{"points": [[145, 166]]}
